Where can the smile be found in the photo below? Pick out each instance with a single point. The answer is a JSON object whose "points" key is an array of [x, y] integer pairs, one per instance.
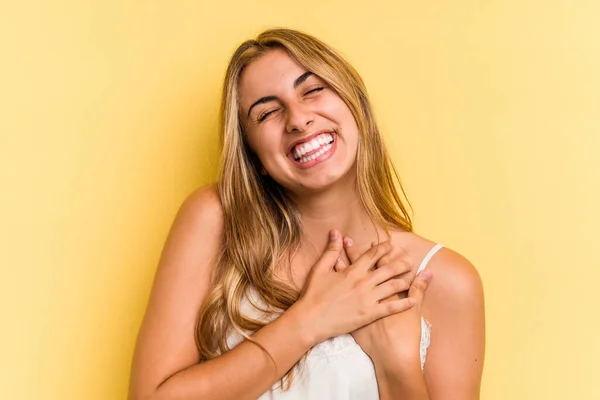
{"points": [[314, 151], [311, 149]]}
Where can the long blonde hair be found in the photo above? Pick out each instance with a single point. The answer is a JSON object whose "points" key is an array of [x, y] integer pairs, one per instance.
{"points": [[262, 227]]}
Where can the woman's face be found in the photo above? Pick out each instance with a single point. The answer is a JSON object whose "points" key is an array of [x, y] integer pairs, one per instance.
{"points": [[303, 133]]}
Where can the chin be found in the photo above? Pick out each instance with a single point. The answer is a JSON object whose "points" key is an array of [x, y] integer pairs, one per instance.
{"points": [[321, 183], [332, 174]]}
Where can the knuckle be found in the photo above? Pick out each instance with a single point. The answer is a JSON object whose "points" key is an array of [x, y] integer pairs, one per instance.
{"points": [[334, 247], [402, 284], [372, 252], [397, 251], [358, 282], [394, 270], [389, 307], [398, 285], [408, 303], [396, 306], [419, 284], [383, 261], [362, 313], [382, 274], [382, 250], [400, 268], [350, 276], [405, 265]]}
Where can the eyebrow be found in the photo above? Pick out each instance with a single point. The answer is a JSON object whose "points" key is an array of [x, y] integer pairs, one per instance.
{"points": [[299, 81]]}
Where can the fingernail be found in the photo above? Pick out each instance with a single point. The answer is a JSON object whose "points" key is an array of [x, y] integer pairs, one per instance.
{"points": [[373, 244], [348, 242], [333, 235], [411, 301], [426, 274]]}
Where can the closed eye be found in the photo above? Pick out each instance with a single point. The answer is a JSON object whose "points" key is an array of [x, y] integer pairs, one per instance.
{"points": [[262, 117], [317, 89]]}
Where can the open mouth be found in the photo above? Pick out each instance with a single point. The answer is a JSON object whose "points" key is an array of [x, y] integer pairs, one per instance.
{"points": [[314, 148]]}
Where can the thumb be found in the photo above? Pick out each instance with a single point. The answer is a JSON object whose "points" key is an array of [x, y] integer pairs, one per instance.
{"points": [[332, 253], [419, 286]]}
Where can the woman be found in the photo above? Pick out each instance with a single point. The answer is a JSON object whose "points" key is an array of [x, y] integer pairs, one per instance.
{"points": [[299, 276]]}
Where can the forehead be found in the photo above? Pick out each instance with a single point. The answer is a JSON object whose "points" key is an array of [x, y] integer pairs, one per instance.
{"points": [[269, 75]]}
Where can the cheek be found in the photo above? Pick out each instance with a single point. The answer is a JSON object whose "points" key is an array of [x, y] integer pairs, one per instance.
{"points": [[348, 127], [338, 111]]}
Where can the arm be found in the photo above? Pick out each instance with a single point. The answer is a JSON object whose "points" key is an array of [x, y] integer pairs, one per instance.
{"points": [[410, 387], [165, 364], [454, 305]]}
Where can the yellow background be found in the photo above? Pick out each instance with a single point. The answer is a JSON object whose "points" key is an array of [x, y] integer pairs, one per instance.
{"points": [[108, 114]]}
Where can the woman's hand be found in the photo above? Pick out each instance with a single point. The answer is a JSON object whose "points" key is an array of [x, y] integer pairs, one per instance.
{"points": [[334, 303], [393, 341]]}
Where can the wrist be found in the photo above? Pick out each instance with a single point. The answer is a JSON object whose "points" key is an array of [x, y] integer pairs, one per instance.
{"points": [[304, 326]]}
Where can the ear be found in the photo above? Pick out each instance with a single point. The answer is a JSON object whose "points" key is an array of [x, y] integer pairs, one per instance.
{"points": [[263, 171]]}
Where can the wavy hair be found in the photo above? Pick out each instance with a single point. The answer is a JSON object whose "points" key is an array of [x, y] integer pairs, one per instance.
{"points": [[262, 227]]}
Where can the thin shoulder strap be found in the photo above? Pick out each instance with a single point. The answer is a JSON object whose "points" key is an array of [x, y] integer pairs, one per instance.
{"points": [[430, 254]]}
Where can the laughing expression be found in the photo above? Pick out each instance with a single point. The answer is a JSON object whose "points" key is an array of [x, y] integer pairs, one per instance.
{"points": [[303, 133]]}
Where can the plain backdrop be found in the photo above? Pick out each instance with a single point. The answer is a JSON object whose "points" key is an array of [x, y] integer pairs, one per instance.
{"points": [[108, 119]]}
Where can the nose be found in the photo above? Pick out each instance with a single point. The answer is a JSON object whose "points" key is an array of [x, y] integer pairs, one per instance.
{"points": [[299, 118]]}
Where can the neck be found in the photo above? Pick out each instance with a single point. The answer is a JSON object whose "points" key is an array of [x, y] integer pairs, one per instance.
{"points": [[340, 208]]}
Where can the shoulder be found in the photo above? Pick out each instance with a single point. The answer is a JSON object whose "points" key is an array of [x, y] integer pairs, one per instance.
{"points": [[452, 271], [203, 206], [455, 293], [196, 233], [455, 279], [454, 275]]}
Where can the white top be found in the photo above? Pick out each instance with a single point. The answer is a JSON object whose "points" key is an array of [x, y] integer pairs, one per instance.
{"points": [[335, 369]]}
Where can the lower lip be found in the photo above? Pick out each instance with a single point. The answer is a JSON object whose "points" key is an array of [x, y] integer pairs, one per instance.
{"points": [[318, 160]]}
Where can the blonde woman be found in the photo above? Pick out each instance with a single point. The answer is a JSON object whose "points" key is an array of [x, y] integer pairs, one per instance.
{"points": [[298, 276]]}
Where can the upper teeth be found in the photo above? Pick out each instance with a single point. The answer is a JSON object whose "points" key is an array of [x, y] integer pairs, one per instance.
{"points": [[306, 147]]}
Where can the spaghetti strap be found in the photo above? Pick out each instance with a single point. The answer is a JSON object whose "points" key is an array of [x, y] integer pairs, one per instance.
{"points": [[430, 254]]}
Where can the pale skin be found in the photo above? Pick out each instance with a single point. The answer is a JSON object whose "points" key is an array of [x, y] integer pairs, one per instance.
{"points": [[360, 300]]}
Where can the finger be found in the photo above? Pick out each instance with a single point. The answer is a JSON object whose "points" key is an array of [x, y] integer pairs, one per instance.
{"points": [[332, 253], [397, 253], [389, 271], [340, 264], [391, 287], [419, 285], [387, 308], [370, 257], [351, 250]]}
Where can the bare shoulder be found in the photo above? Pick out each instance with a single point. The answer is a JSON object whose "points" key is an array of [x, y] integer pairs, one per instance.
{"points": [[454, 278], [202, 206], [196, 232], [455, 283]]}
